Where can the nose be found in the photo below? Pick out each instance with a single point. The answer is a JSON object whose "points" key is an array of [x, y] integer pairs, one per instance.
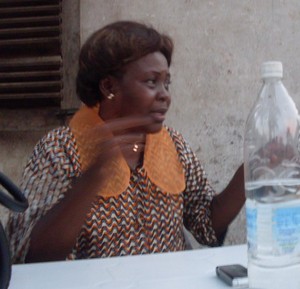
{"points": [[163, 94]]}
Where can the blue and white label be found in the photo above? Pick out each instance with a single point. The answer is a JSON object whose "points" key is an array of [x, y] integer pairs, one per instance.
{"points": [[286, 229], [251, 217], [273, 229]]}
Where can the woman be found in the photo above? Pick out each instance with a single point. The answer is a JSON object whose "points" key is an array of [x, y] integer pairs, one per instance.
{"points": [[116, 181]]}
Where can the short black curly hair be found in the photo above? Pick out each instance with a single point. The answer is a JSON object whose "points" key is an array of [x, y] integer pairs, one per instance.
{"points": [[108, 49]]}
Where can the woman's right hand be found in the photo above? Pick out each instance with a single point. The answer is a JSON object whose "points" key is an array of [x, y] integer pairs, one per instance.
{"points": [[115, 136], [66, 218]]}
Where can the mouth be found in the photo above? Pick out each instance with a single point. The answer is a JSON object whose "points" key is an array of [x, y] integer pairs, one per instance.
{"points": [[159, 115]]}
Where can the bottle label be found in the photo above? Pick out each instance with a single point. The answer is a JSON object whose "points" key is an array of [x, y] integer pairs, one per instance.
{"points": [[286, 228], [251, 217], [273, 229]]}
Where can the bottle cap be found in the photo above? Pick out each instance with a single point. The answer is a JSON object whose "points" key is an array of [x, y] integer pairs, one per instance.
{"points": [[271, 69]]}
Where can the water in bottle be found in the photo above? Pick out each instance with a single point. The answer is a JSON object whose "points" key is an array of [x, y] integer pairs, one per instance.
{"points": [[272, 183]]}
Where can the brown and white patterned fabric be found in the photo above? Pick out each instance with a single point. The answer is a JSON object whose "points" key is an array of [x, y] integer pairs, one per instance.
{"points": [[144, 218]]}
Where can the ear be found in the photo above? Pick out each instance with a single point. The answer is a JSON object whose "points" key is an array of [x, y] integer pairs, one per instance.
{"points": [[108, 85]]}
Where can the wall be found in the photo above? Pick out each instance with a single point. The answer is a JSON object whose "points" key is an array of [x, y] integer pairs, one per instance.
{"points": [[219, 47], [20, 129]]}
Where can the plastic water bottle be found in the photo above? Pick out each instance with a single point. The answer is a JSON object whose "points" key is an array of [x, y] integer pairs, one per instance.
{"points": [[272, 183]]}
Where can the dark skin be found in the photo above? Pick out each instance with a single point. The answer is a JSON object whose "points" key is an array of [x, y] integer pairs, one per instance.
{"points": [[61, 220], [226, 205], [141, 102], [139, 107]]}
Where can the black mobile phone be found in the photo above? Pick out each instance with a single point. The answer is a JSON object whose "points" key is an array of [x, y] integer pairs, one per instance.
{"points": [[234, 275]]}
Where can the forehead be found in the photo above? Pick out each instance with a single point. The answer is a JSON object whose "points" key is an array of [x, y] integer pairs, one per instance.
{"points": [[152, 62]]}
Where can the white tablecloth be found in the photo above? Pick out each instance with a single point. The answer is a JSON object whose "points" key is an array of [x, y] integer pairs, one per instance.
{"points": [[181, 270]]}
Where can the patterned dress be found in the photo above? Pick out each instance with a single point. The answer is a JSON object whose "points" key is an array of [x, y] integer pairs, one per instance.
{"points": [[142, 219]]}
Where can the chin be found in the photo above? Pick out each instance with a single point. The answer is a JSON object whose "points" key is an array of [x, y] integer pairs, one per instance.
{"points": [[154, 128]]}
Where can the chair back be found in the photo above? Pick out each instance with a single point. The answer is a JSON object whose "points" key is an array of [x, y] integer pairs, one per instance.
{"points": [[17, 203]]}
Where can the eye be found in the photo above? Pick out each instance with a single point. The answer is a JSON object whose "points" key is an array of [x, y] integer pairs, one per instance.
{"points": [[167, 84], [151, 82]]}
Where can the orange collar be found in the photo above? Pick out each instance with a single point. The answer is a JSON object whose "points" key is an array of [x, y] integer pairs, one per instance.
{"points": [[160, 157]]}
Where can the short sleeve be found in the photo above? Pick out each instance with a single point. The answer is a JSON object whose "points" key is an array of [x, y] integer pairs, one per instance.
{"points": [[198, 194], [47, 176]]}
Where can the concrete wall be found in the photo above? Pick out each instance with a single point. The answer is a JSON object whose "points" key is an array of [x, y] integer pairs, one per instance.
{"points": [[219, 47], [19, 132]]}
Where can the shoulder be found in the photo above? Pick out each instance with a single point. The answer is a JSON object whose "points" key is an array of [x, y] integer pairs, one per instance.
{"points": [[58, 138], [179, 141], [55, 136], [175, 134], [184, 151], [58, 146], [186, 155]]}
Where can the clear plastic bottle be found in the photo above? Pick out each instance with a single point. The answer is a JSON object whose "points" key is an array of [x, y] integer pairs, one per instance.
{"points": [[272, 183]]}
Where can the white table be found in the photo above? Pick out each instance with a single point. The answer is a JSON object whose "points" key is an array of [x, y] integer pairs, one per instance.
{"points": [[181, 270]]}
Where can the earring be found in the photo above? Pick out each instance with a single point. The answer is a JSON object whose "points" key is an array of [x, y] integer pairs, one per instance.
{"points": [[111, 96]]}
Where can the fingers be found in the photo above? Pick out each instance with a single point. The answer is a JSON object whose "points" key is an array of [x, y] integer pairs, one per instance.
{"points": [[124, 143], [126, 127], [132, 124], [110, 147], [118, 136], [128, 138], [110, 152]]}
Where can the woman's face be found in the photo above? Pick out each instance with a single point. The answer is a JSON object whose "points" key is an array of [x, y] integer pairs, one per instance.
{"points": [[144, 89]]}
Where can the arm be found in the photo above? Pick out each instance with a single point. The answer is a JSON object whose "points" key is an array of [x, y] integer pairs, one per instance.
{"points": [[206, 214], [197, 196], [55, 234], [44, 182], [58, 201], [226, 205]]}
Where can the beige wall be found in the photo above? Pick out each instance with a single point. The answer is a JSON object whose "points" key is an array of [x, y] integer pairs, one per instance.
{"points": [[219, 47]]}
